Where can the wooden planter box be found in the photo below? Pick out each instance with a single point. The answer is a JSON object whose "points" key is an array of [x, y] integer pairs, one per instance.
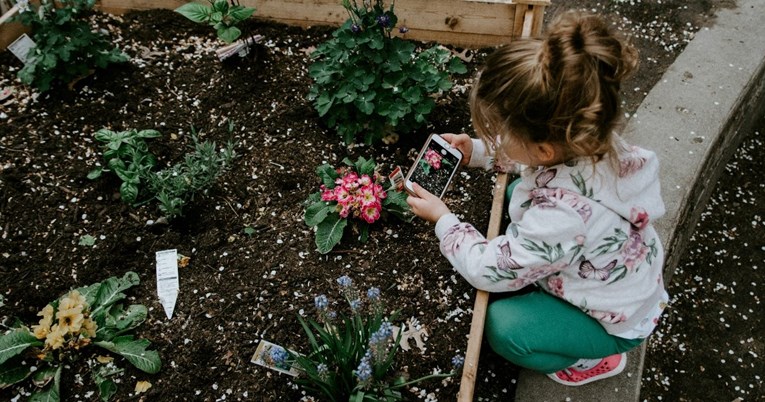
{"points": [[466, 23]]}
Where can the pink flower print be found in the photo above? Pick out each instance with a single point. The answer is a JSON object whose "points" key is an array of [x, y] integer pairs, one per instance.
{"points": [[371, 212], [504, 262], [457, 235], [549, 197], [607, 316], [634, 251], [555, 284], [580, 239], [535, 274], [639, 217], [631, 163], [433, 159]]}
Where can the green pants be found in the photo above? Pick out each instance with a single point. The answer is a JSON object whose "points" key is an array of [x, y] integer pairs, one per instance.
{"points": [[541, 332]]}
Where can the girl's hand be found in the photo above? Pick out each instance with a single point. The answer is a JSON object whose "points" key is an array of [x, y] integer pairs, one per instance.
{"points": [[426, 205], [463, 143]]}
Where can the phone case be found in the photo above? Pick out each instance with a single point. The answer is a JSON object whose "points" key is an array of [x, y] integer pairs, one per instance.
{"points": [[434, 167]]}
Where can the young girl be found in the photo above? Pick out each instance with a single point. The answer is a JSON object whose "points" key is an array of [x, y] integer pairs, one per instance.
{"points": [[580, 213]]}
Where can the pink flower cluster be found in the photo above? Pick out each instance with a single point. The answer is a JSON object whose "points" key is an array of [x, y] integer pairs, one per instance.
{"points": [[433, 159], [358, 197]]}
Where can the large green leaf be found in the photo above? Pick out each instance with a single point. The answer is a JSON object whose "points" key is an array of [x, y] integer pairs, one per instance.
{"points": [[134, 350], [317, 212], [12, 372], [15, 342], [110, 292], [44, 376], [52, 393], [329, 232], [327, 174], [229, 34], [194, 11], [240, 13]]}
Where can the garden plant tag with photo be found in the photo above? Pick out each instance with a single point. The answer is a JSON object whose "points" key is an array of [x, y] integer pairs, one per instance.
{"points": [[167, 279], [21, 47], [262, 357], [397, 179]]}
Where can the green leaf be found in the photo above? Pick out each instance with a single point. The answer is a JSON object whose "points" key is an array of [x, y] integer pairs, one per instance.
{"points": [[12, 372], [240, 13], [87, 240], [456, 66], [317, 212], [52, 393], [323, 103], [110, 292], [329, 232], [44, 376], [135, 352], [229, 34], [327, 174], [95, 173], [15, 342], [128, 319], [106, 389], [128, 192], [194, 11], [148, 134], [221, 6]]}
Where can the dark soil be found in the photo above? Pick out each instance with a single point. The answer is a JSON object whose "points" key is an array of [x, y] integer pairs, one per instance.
{"points": [[243, 287]]}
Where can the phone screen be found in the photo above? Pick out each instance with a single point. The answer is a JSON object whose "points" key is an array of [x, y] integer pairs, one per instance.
{"points": [[435, 168]]}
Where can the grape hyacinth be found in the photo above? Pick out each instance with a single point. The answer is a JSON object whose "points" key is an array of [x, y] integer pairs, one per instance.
{"points": [[344, 281], [373, 293], [364, 370], [458, 361], [321, 302]]}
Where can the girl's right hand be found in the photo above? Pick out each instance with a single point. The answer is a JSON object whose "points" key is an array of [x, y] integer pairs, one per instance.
{"points": [[463, 143]]}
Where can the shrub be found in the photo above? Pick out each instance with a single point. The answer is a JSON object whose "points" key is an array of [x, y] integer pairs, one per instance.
{"points": [[127, 155], [366, 80], [220, 15], [67, 47], [90, 315], [352, 192], [351, 357]]}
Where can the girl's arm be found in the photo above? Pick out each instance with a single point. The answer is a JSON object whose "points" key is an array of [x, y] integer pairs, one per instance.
{"points": [[545, 242]]}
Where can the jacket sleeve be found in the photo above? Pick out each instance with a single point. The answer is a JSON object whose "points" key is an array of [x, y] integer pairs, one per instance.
{"points": [[545, 241], [484, 158]]}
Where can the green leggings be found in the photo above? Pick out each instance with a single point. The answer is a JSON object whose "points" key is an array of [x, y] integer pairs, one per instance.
{"points": [[542, 332]]}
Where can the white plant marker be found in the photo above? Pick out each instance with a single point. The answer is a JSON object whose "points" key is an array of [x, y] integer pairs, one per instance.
{"points": [[167, 280], [21, 47]]}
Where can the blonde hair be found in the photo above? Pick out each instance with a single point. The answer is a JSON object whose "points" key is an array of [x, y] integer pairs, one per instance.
{"points": [[562, 88]]}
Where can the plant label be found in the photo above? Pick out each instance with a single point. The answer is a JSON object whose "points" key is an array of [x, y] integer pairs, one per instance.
{"points": [[263, 357], [167, 280], [397, 179], [21, 47]]}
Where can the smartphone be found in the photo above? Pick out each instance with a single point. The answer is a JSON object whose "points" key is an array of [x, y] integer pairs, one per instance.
{"points": [[434, 167]]}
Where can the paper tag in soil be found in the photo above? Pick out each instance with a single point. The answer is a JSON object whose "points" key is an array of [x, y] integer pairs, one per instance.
{"points": [[21, 47], [397, 179], [167, 279], [262, 357]]}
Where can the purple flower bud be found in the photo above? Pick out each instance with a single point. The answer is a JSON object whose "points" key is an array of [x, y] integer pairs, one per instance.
{"points": [[355, 28], [458, 361], [383, 20], [403, 30]]}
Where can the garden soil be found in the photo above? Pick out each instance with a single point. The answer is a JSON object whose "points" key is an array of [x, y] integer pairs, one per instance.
{"points": [[253, 262]]}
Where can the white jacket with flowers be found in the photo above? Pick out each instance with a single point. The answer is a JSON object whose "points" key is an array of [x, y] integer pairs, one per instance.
{"points": [[579, 230]]}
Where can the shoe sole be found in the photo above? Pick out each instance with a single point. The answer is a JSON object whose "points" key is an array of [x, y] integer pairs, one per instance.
{"points": [[616, 371]]}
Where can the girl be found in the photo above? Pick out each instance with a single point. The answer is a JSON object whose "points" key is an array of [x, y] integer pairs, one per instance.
{"points": [[580, 213]]}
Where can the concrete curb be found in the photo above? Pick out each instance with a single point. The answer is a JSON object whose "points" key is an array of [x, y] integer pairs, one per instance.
{"points": [[694, 119]]}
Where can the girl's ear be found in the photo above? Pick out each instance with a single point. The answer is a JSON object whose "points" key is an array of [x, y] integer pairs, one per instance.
{"points": [[547, 153]]}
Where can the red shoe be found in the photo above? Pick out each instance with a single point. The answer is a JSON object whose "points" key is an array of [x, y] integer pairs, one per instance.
{"points": [[608, 367]]}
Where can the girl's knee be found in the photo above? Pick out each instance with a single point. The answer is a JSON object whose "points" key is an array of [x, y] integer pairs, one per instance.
{"points": [[504, 330]]}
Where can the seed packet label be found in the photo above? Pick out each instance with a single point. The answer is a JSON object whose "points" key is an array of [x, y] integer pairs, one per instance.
{"points": [[263, 358], [397, 179], [167, 279], [21, 47]]}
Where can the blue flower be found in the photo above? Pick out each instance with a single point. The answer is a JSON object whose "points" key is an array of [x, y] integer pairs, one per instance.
{"points": [[403, 30], [355, 28], [383, 20], [344, 281], [332, 315], [458, 361], [373, 293], [364, 370], [321, 302], [355, 304], [322, 369], [382, 334]]}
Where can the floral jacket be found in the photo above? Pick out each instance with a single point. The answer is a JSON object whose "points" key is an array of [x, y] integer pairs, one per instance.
{"points": [[581, 231]]}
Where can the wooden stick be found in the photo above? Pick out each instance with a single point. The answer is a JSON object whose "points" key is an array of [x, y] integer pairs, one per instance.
{"points": [[469, 370]]}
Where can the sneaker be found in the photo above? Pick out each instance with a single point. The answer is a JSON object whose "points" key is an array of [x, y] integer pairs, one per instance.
{"points": [[608, 367]]}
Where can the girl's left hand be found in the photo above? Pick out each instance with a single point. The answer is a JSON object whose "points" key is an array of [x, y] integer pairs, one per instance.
{"points": [[426, 205]]}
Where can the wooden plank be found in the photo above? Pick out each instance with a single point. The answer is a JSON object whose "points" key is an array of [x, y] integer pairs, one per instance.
{"points": [[470, 369], [528, 2], [456, 22]]}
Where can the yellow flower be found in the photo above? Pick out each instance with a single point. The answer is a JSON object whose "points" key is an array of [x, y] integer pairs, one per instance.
{"points": [[70, 320], [72, 300], [55, 338], [41, 331], [89, 327]]}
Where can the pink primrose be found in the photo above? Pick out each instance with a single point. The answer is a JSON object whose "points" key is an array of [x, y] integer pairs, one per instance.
{"points": [[371, 212]]}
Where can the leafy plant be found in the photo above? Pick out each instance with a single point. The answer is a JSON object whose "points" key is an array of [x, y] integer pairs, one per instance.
{"points": [[354, 191], [220, 15], [66, 47], [127, 155], [90, 315], [351, 357], [198, 171], [366, 80]]}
